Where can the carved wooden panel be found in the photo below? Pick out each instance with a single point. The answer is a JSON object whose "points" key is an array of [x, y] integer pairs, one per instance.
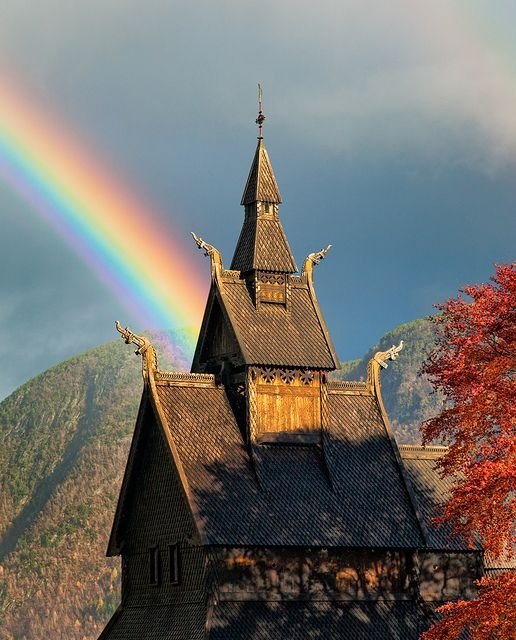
{"points": [[287, 400], [272, 293]]}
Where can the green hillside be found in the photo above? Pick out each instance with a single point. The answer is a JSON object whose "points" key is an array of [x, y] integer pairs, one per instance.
{"points": [[65, 437], [408, 396]]}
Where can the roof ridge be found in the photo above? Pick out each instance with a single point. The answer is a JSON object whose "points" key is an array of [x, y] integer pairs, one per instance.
{"points": [[421, 452], [181, 376]]}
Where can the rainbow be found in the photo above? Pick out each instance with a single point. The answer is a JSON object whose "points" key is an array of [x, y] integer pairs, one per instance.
{"points": [[123, 240]]}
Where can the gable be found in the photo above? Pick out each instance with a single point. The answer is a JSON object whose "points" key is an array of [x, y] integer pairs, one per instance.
{"points": [[222, 343], [152, 507], [273, 335]]}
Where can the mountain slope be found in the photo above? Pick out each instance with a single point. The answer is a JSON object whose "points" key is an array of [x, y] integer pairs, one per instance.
{"points": [[408, 397], [66, 435]]}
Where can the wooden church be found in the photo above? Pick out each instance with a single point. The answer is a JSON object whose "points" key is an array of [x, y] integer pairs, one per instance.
{"points": [[262, 500]]}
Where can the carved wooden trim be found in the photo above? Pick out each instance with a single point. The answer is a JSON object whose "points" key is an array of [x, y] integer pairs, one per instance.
{"points": [[325, 409], [251, 404], [231, 274], [273, 375], [349, 388], [178, 379], [145, 350], [419, 452]]}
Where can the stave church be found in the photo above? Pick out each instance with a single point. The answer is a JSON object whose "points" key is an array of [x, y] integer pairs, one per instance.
{"points": [[262, 499]]}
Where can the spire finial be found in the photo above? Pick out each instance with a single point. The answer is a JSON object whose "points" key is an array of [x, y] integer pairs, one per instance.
{"points": [[261, 117]]}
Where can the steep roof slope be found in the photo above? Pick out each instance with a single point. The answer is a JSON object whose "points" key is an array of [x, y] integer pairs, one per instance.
{"points": [[271, 334], [349, 492]]}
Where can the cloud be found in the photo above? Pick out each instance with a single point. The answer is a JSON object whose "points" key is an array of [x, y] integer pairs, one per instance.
{"points": [[348, 74], [167, 91]]}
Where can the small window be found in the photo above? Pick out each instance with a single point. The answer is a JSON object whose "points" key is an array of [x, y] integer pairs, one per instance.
{"points": [[267, 207], [154, 566], [173, 552]]}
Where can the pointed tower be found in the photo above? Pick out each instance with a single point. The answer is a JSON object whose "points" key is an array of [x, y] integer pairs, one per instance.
{"points": [[263, 331], [262, 246]]}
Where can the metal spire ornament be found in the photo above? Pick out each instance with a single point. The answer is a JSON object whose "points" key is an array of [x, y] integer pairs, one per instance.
{"points": [[259, 120]]}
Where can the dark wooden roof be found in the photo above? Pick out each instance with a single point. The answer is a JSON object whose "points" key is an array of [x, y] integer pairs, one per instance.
{"points": [[261, 185], [350, 492], [263, 245], [157, 623], [302, 620], [272, 334], [430, 490], [252, 620]]}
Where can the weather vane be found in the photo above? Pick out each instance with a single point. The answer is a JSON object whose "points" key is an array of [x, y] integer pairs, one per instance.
{"points": [[261, 117]]}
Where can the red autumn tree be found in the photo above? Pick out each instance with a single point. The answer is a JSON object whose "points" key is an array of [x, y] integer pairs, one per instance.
{"points": [[474, 366]]}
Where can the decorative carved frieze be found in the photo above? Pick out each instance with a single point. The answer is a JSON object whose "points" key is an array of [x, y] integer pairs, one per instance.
{"points": [[271, 278], [272, 375]]}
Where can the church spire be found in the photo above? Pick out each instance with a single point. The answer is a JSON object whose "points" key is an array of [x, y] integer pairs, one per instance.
{"points": [[261, 185], [262, 245]]}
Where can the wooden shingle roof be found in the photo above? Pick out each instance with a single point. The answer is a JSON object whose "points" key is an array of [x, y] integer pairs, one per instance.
{"points": [[302, 620], [350, 492], [263, 245], [430, 491], [254, 620], [261, 185], [271, 334]]}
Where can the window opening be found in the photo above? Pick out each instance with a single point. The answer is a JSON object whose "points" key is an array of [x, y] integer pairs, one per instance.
{"points": [[173, 552], [154, 566]]}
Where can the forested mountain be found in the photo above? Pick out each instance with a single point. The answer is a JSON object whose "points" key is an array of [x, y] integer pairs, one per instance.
{"points": [[408, 396], [65, 437]]}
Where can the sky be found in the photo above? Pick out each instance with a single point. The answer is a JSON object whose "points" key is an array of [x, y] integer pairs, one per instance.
{"points": [[391, 128]]}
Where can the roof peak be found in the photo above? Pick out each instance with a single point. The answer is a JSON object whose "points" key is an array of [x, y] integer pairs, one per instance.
{"points": [[261, 185]]}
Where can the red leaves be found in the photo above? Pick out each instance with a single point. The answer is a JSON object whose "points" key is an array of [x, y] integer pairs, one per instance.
{"points": [[491, 616], [474, 366]]}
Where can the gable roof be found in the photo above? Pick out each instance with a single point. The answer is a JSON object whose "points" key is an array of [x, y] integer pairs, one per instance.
{"points": [[430, 490], [150, 418], [349, 493], [263, 620], [271, 334]]}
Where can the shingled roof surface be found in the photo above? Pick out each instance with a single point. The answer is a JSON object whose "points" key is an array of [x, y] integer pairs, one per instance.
{"points": [[271, 334], [264, 620], [430, 490], [263, 245], [315, 620], [261, 183], [350, 493], [157, 623]]}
